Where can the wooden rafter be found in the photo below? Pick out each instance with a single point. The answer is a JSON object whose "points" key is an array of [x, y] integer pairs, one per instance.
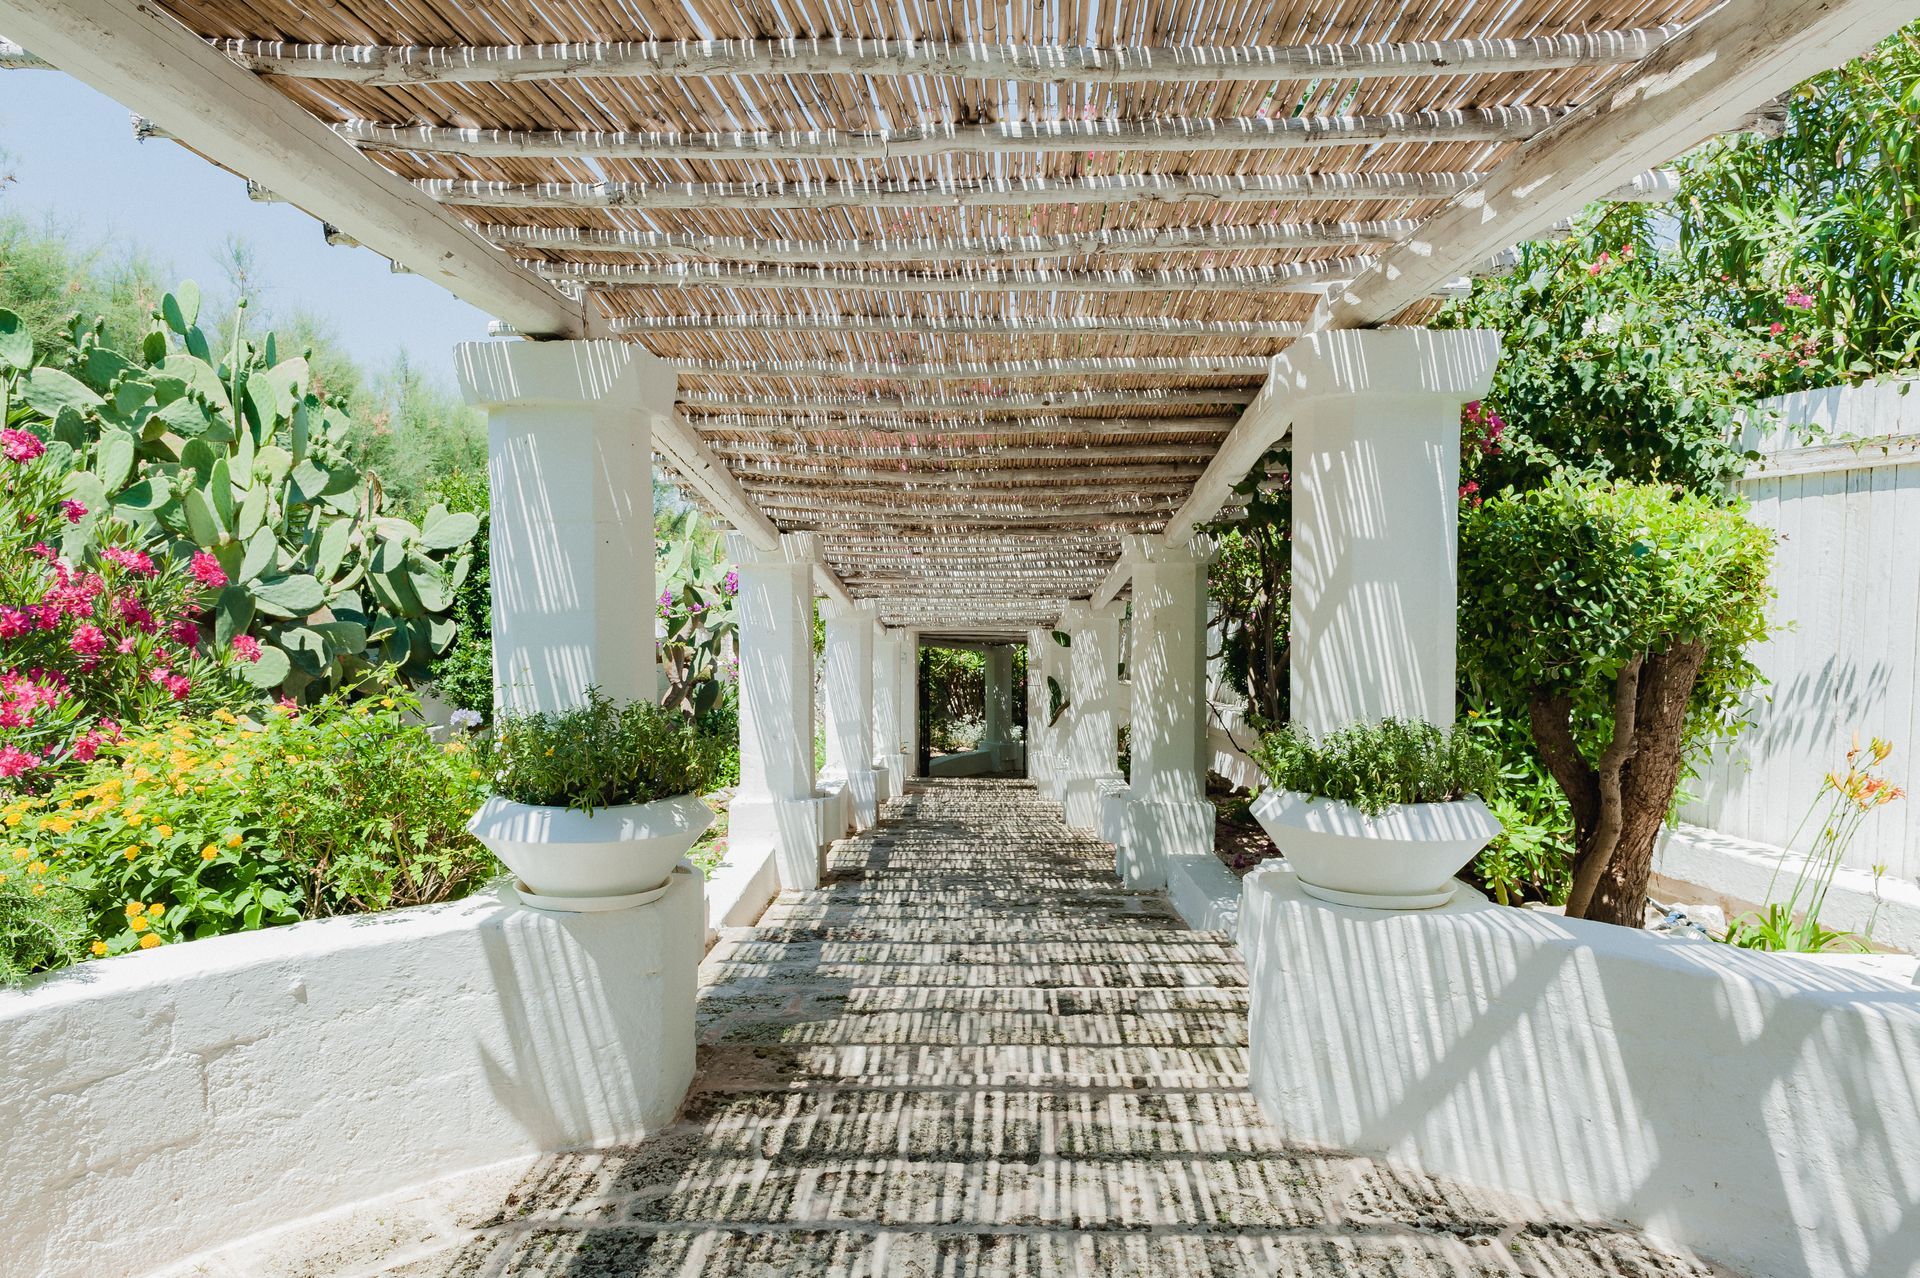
{"points": [[1291, 277]]}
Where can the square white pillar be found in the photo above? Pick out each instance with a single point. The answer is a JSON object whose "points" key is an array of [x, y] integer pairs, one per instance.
{"points": [[1092, 740], [997, 738], [850, 633], [1376, 478], [910, 699], [889, 746], [1167, 813], [570, 468], [1038, 770], [777, 805]]}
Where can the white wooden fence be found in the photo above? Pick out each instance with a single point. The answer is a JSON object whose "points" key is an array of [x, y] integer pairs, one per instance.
{"points": [[1846, 658]]}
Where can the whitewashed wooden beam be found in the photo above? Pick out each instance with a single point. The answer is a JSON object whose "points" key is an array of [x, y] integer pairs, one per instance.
{"points": [[909, 523], [1035, 63], [1019, 137], [997, 249], [994, 370], [853, 406], [883, 432], [886, 193], [1125, 452], [871, 475], [1288, 277], [1705, 81], [934, 326], [141, 57]]}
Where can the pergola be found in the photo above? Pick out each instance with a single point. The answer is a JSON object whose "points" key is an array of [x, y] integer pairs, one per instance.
{"points": [[966, 318]]}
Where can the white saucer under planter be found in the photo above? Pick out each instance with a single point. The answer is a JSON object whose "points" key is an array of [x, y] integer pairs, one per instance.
{"points": [[607, 859], [1403, 859]]}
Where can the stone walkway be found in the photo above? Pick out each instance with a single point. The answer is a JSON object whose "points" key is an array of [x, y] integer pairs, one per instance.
{"points": [[971, 1053]]}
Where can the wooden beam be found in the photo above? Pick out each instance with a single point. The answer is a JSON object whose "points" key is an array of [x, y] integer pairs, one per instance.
{"points": [[886, 193], [136, 54], [1019, 137], [1122, 431], [996, 249], [1286, 277], [933, 493], [934, 326], [1034, 63], [1139, 455], [1044, 401], [1705, 81], [847, 474], [996, 370]]}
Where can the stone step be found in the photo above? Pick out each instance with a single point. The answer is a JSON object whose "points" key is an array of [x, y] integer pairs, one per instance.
{"points": [[718, 1000], [1191, 949], [763, 1067], [1130, 930], [985, 1028]]}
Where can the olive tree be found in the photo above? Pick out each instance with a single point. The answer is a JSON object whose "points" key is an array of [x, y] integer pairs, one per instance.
{"points": [[1620, 616]]}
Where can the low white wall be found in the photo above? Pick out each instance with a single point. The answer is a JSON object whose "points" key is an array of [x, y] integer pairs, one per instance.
{"points": [[1764, 1109], [164, 1102], [968, 763]]}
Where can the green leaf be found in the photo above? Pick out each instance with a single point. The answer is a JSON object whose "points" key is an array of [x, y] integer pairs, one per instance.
{"points": [[252, 514], [151, 493], [202, 521], [273, 462], [448, 531], [16, 343], [48, 390], [181, 308], [232, 615], [262, 549], [268, 672], [113, 459], [290, 596], [335, 539]]}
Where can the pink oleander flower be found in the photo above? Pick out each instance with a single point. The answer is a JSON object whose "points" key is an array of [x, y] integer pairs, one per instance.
{"points": [[184, 633], [13, 623], [137, 562], [86, 746], [74, 511], [135, 614], [20, 446], [207, 570], [1799, 299], [246, 647], [732, 581], [41, 550], [1776, 328], [14, 761], [177, 686], [126, 645], [88, 640]]}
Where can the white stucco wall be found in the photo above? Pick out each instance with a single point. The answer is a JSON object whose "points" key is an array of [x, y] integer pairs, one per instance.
{"points": [[160, 1103], [1764, 1109]]}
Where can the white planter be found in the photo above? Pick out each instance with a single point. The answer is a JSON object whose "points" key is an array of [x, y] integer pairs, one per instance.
{"points": [[606, 859], [1403, 859]]}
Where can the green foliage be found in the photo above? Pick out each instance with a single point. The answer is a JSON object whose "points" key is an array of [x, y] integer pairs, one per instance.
{"points": [[1531, 859], [1609, 365], [957, 708], [44, 278], [463, 674], [43, 921], [1374, 766], [240, 466], [596, 755], [1562, 586], [697, 586], [1251, 587], [230, 823], [1817, 231]]}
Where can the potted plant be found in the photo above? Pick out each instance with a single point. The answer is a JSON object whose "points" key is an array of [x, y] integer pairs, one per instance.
{"points": [[593, 807], [1377, 815]]}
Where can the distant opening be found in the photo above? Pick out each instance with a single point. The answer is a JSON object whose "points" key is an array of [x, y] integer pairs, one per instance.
{"points": [[973, 709]]}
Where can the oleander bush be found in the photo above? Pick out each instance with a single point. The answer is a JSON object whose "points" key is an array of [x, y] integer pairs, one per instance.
{"points": [[597, 755], [1374, 766]]}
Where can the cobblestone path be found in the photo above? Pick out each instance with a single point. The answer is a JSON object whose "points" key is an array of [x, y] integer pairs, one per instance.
{"points": [[972, 1053]]}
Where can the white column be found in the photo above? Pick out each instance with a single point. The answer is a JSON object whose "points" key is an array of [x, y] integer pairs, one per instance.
{"points": [[1038, 641], [777, 807], [998, 735], [570, 468], [1167, 813], [910, 699], [849, 679], [1092, 741], [1376, 477], [889, 750]]}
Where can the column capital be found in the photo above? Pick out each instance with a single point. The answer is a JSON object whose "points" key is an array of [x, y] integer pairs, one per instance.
{"points": [[793, 548], [1078, 614], [1450, 363], [497, 374], [857, 611], [1148, 548]]}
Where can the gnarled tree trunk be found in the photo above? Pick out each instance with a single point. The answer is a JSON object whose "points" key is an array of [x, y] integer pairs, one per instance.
{"points": [[1619, 801]]}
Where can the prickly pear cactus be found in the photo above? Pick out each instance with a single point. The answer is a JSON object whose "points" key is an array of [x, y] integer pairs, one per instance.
{"points": [[243, 467]]}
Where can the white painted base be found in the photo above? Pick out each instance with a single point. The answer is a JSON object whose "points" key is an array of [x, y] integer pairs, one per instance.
{"points": [[968, 763], [797, 832], [1760, 1108], [1205, 893], [884, 788], [1110, 816], [1736, 873], [739, 889], [1080, 797], [168, 1101], [1158, 832]]}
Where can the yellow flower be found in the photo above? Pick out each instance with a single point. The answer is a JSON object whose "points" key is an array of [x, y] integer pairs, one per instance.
{"points": [[157, 908], [37, 867], [233, 840], [141, 774], [386, 703], [99, 949], [475, 774], [225, 716], [164, 830], [209, 852], [21, 854], [148, 941], [135, 818], [135, 907], [39, 889], [138, 922], [131, 853]]}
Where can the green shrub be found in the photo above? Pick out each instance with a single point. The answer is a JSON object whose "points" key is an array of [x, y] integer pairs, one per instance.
{"points": [[597, 755], [44, 922], [1587, 608], [226, 824], [1374, 766]]}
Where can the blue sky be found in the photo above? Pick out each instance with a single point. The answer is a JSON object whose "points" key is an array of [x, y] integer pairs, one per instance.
{"points": [[75, 164]]}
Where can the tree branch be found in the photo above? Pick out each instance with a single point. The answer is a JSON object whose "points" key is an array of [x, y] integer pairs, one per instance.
{"points": [[1598, 854]]}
